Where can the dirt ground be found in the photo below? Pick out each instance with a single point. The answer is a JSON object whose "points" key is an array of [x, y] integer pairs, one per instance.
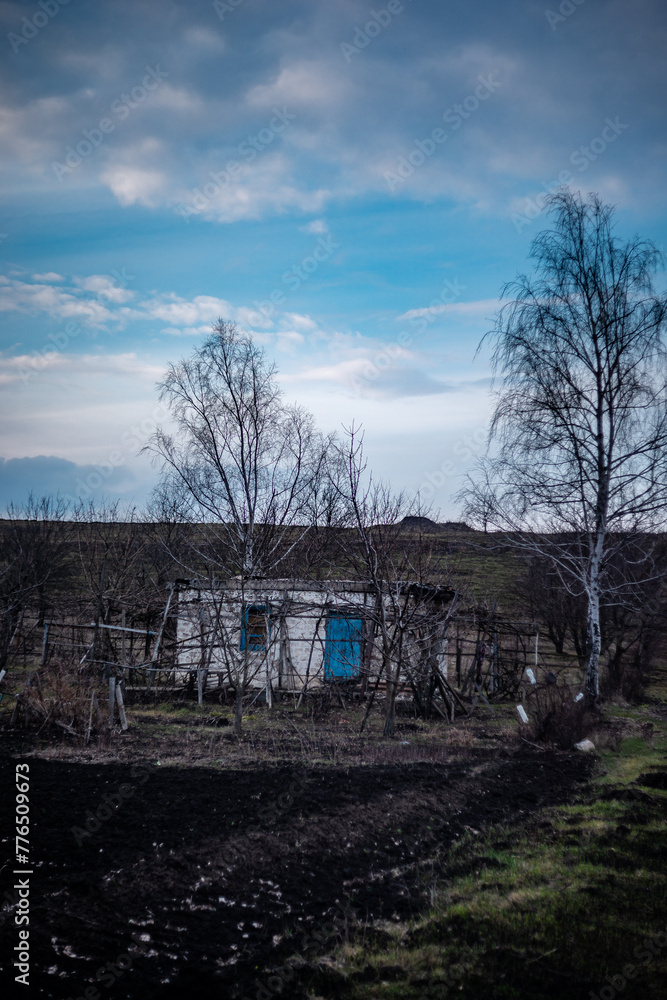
{"points": [[213, 867]]}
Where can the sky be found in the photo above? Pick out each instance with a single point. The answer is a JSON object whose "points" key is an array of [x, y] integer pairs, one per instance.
{"points": [[353, 184]]}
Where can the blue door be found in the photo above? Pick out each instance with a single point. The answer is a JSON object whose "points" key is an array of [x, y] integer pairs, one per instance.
{"points": [[342, 648]]}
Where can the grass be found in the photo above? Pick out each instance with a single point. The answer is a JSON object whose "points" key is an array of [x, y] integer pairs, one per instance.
{"points": [[549, 909], [546, 911]]}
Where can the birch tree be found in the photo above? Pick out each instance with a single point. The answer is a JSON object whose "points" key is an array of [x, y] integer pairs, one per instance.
{"points": [[240, 467], [579, 469]]}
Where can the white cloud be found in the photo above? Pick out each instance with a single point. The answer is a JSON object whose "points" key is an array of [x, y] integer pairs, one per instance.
{"points": [[305, 84], [188, 313], [266, 186], [393, 415], [178, 99], [48, 276], [252, 318], [105, 287], [340, 373], [98, 299], [20, 296], [299, 321], [289, 340], [135, 185], [186, 331], [317, 227], [481, 307], [26, 368], [205, 38]]}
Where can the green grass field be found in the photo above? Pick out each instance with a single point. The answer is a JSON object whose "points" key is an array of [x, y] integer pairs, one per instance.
{"points": [[570, 904]]}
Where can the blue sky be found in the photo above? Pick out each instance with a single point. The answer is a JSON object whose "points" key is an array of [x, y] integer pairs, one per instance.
{"points": [[353, 183]]}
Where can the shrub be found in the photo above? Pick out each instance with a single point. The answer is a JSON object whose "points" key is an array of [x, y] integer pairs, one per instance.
{"points": [[556, 718], [61, 697]]}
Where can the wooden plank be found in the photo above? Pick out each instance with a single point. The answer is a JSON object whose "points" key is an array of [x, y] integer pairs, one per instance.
{"points": [[19, 701], [483, 697], [156, 648], [469, 675], [123, 656], [439, 710], [45, 644], [121, 707], [454, 694], [100, 601], [89, 650], [116, 628], [66, 727], [90, 717], [441, 686], [112, 700]]}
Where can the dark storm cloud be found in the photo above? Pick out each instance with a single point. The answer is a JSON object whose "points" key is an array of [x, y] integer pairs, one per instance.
{"points": [[365, 94]]}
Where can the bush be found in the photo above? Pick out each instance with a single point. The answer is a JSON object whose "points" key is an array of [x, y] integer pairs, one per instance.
{"points": [[61, 697], [557, 719]]}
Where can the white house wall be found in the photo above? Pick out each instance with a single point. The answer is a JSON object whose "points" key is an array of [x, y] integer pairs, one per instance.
{"points": [[295, 653]]}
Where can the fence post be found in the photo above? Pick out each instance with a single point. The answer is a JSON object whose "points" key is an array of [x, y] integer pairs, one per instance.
{"points": [[112, 700], [45, 643], [122, 638], [121, 707]]}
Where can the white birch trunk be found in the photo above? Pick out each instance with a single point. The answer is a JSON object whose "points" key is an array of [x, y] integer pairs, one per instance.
{"points": [[592, 684]]}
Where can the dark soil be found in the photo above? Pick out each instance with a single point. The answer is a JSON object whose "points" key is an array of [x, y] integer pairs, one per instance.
{"points": [[222, 876]]}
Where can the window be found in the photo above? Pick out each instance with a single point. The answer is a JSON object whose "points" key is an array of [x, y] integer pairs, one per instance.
{"points": [[256, 628]]}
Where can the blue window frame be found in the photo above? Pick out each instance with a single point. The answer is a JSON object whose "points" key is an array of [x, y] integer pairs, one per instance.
{"points": [[342, 646], [256, 627]]}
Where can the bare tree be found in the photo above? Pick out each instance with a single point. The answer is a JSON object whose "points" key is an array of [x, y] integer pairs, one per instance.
{"points": [[34, 567], [580, 423], [121, 580], [398, 563], [242, 468], [560, 613], [630, 621]]}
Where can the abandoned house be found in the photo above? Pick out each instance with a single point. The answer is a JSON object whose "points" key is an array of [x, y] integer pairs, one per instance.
{"points": [[289, 635]]}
